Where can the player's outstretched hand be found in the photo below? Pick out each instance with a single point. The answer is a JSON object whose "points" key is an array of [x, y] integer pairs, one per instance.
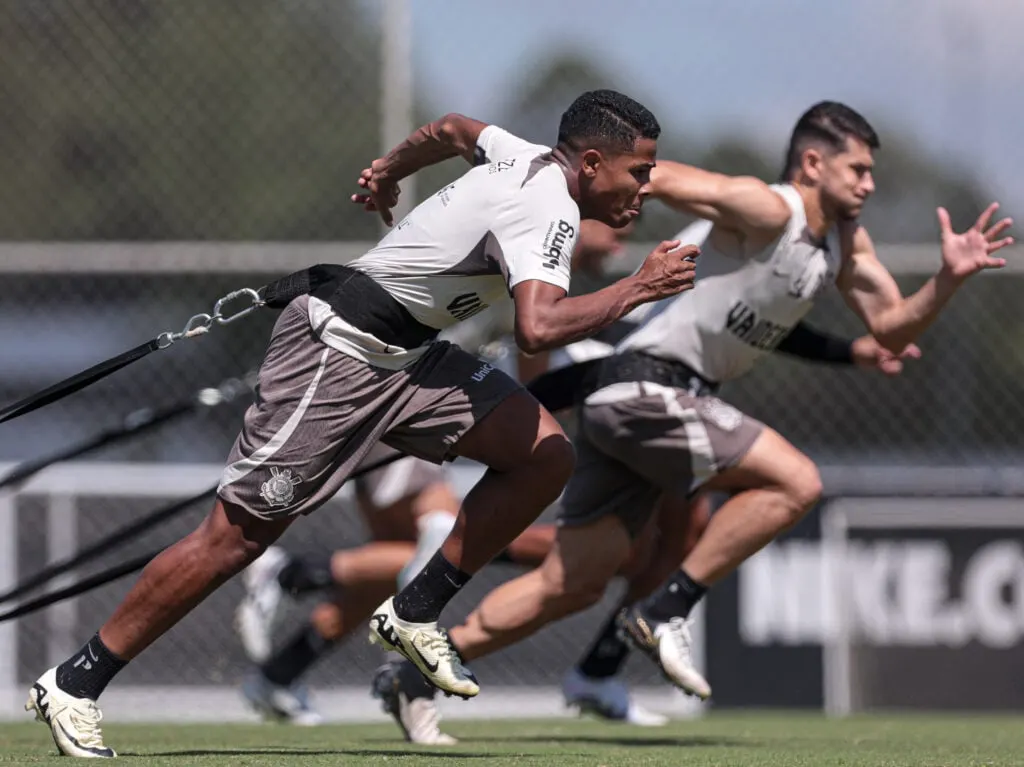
{"points": [[868, 353], [381, 193], [667, 271], [971, 251]]}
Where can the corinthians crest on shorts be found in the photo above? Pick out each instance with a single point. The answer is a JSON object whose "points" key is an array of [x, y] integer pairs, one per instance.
{"points": [[279, 490], [721, 414]]}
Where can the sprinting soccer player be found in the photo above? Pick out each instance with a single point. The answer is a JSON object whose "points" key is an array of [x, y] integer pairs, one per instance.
{"points": [[653, 427], [356, 364], [409, 507]]}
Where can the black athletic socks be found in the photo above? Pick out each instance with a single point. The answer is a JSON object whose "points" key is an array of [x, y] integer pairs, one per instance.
{"points": [[87, 673], [675, 598], [607, 654], [427, 594]]}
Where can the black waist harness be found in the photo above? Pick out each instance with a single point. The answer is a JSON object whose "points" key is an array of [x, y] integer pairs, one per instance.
{"points": [[633, 366], [357, 298]]}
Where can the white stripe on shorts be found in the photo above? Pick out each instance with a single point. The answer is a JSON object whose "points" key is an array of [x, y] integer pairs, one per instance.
{"points": [[702, 456], [246, 466]]}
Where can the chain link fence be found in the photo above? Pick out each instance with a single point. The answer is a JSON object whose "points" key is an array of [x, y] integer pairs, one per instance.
{"points": [[241, 120], [958, 405]]}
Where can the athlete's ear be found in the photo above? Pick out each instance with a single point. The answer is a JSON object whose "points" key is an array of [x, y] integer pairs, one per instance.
{"points": [[590, 161], [812, 161]]}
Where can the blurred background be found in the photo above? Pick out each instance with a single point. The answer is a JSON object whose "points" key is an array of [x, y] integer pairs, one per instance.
{"points": [[155, 155]]}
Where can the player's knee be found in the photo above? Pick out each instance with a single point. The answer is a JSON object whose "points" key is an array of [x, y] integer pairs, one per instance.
{"points": [[577, 595], [552, 462], [802, 489], [233, 538], [574, 589]]}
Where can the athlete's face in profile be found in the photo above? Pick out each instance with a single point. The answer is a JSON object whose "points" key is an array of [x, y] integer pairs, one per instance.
{"points": [[613, 185], [846, 179]]}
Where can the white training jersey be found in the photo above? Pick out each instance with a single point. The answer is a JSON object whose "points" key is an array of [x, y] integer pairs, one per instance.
{"points": [[506, 221], [740, 308]]}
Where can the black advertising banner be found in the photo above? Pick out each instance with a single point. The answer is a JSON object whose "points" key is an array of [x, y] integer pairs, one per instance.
{"points": [[878, 603]]}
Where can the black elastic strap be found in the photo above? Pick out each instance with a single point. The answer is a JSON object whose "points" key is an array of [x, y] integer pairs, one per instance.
{"points": [[279, 293], [815, 345], [88, 584], [355, 297], [105, 544], [137, 423], [563, 387], [630, 366], [134, 530], [78, 381]]}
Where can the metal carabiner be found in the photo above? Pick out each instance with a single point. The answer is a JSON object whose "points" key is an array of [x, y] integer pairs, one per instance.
{"points": [[197, 325], [249, 293]]}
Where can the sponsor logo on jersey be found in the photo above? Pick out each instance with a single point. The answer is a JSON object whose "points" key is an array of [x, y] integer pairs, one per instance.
{"points": [[743, 322], [445, 194], [559, 234], [464, 306]]}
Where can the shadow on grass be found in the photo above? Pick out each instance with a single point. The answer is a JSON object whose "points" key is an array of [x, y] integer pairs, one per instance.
{"points": [[417, 752]]}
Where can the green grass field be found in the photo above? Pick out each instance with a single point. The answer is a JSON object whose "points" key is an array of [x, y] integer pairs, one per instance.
{"points": [[765, 740]]}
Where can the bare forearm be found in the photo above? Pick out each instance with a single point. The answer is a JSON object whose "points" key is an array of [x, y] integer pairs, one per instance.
{"points": [[904, 324], [578, 317], [451, 136]]}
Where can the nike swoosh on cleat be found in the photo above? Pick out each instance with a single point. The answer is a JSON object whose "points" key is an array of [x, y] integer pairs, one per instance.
{"points": [[431, 667], [73, 739]]}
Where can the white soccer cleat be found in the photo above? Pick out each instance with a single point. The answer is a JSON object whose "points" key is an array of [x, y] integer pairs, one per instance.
{"points": [[256, 613], [409, 699], [425, 646], [668, 644], [607, 698], [74, 722]]}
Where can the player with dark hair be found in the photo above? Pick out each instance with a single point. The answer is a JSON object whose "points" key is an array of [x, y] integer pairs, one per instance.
{"points": [[357, 363]]}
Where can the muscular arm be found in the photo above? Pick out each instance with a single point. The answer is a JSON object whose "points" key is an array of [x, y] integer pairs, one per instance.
{"points": [[547, 318], [740, 203], [870, 290], [453, 135]]}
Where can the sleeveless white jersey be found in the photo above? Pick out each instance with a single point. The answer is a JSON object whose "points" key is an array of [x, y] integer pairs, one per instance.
{"points": [[740, 308], [506, 221]]}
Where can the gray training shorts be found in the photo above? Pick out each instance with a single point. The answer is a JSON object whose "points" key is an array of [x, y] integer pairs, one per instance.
{"points": [[318, 412], [636, 440]]}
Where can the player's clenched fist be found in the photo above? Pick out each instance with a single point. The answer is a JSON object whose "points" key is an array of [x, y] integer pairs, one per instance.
{"points": [[669, 269]]}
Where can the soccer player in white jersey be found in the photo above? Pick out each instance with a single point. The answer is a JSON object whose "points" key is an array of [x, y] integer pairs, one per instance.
{"points": [[353, 363], [773, 250], [408, 507], [653, 426]]}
